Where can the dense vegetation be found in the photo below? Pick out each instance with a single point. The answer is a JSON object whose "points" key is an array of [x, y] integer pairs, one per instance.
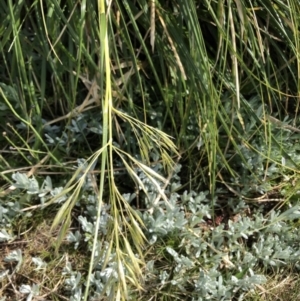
{"points": [[149, 150]]}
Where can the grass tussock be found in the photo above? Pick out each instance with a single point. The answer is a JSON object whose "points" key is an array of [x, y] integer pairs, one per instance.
{"points": [[149, 150]]}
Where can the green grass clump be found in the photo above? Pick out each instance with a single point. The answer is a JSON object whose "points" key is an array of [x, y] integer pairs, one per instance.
{"points": [[149, 150]]}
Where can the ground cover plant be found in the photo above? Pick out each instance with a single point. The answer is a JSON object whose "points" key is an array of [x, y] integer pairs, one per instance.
{"points": [[149, 150]]}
